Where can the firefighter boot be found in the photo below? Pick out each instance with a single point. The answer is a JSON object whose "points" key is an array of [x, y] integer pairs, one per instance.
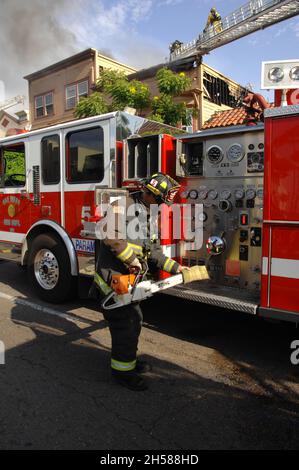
{"points": [[130, 380]]}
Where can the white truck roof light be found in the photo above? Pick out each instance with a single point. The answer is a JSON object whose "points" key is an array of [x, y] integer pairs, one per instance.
{"points": [[280, 74]]}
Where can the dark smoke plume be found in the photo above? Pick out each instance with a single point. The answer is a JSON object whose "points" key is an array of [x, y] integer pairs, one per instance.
{"points": [[31, 38]]}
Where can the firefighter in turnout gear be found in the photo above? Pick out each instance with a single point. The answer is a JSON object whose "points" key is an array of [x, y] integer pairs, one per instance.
{"points": [[115, 256], [214, 19]]}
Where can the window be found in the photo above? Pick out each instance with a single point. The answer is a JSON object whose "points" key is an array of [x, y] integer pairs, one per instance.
{"points": [[44, 105], [51, 159], [75, 92], [13, 166], [5, 122], [188, 121], [220, 92], [85, 156]]}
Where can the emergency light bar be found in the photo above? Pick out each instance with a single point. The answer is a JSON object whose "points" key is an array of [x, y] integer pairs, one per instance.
{"points": [[280, 74]]}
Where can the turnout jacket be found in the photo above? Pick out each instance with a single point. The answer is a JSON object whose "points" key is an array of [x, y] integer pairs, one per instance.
{"points": [[115, 253]]}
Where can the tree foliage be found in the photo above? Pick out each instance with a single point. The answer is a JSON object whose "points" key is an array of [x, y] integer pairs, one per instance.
{"points": [[170, 83], [114, 92], [92, 105], [165, 110], [123, 92]]}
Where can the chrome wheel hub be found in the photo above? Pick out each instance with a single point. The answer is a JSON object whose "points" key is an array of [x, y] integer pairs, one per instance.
{"points": [[46, 269]]}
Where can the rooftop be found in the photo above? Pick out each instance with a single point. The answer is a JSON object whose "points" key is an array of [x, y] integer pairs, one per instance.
{"points": [[231, 117], [74, 59]]}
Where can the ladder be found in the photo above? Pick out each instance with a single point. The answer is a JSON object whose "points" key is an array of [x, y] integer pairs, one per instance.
{"points": [[12, 102], [254, 15]]}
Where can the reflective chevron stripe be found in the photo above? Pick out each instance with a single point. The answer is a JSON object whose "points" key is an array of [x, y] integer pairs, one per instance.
{"points": [[126, 254], [138, 250], [102, 284], [281, 267], [168, 265], [123, 366]]}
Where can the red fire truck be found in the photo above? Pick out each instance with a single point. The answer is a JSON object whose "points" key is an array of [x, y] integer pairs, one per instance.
{"points": [[47, 193], [246, 179]]}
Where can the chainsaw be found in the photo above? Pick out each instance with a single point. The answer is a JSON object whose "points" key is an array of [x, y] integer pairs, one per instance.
{"points": [[131, 288]]}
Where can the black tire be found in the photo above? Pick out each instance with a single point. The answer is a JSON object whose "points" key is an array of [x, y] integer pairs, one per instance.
{"points": [[55, 270]]}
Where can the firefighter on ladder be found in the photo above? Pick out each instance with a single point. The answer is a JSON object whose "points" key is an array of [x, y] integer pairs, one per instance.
{"points": [[214, 19], [121, 256]]}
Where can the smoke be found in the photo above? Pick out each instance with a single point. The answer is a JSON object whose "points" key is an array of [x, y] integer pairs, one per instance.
{"points": [[31, 38], [37, 33]]}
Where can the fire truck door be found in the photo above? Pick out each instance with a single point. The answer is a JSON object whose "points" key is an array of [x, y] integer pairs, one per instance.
{"points": [[87, 164], [14, 198], [45, 177]]}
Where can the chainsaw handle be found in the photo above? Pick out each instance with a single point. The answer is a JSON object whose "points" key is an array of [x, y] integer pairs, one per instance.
{"points": [[140, 275], [105, 301]]}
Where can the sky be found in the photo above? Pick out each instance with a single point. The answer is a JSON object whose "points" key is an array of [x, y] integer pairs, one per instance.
{"points": [[135, 32]]}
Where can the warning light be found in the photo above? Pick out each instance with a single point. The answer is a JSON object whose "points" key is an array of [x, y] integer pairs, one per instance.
{"points": [[244, 219]]}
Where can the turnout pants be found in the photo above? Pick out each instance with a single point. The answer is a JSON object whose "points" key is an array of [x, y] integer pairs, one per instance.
{"points": [[125, 326]]}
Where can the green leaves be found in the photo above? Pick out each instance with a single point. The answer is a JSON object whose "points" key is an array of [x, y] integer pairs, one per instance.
{"points": [[115, 92], [91, 106], [167, 111], [171, 83], [123, 93]]}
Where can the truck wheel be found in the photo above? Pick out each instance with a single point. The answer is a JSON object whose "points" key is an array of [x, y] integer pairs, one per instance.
{"points": [[49, 269]]}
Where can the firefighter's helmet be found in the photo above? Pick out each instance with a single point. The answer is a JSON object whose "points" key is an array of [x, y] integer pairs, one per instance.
{"points": [[163, 187]]}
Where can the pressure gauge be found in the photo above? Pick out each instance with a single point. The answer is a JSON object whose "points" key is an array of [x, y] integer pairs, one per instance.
{"points": [[239, 193], [193, 194], [202, 194], [250, 193], [212, 194], [260, 193], [215, 154], [235, 153], [225, 194]]}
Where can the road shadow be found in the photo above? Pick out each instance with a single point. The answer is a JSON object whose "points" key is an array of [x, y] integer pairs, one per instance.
{"points": [[56, 393], [256, 349]]}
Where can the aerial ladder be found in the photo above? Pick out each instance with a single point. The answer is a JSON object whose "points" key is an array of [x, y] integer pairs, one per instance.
{"points": [[12, 102], [251, 17]]}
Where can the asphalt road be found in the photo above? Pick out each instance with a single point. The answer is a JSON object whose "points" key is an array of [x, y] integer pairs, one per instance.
{"points": [[221, 380]]}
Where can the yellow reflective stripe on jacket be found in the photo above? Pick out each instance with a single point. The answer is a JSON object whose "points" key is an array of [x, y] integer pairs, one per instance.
{"points": [[168, 265], [138, 250], [102, 284], [126, 254], [123, 366]]}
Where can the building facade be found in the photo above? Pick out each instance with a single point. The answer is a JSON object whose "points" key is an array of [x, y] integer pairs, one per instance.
{"points": [[55, 90], [9, 123], [210, 90]]}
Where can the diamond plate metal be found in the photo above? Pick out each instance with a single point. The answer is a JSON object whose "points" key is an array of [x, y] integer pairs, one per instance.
{"points": [[215, 300]]}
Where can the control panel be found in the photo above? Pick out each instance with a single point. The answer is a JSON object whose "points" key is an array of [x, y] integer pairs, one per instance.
{"points": [[230, 189]]}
